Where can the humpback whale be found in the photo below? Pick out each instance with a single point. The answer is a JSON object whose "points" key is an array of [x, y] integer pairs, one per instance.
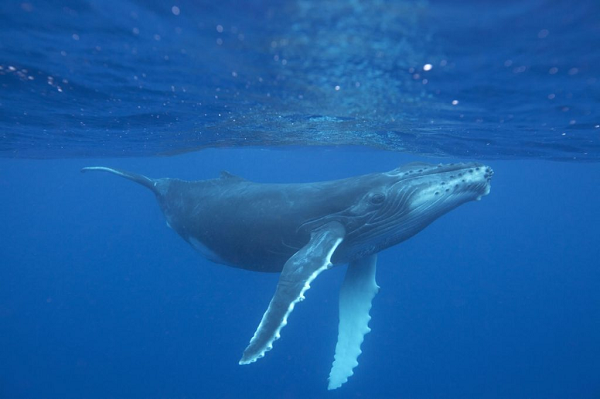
{"points": [[303, 229]]}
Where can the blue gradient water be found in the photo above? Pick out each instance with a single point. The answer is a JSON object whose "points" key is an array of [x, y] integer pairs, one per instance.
{"points": [[99, 299]]}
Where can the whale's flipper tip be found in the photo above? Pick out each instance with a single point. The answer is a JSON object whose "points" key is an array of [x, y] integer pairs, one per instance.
{"points": [[297, 274]]}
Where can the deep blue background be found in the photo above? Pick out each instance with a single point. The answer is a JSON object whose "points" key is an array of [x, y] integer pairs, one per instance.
{"points": [[98, 298]]}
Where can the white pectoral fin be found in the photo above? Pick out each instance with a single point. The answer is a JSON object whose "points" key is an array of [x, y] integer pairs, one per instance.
{"points": [[357, 292], [298, 272]]}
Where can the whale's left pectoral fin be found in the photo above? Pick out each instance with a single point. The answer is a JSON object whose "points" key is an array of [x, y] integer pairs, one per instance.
{"points": [[357, 292], [297, 274]]}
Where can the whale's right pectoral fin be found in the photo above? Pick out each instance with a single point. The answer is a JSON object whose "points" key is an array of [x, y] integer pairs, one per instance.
{"points": [[358, 290], [297, 274]]}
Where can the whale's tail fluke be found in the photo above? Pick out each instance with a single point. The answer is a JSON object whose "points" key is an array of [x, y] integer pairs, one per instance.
{"points": [[140, 179]]}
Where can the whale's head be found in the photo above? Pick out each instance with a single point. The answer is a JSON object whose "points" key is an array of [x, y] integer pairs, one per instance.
{"points": [[400, 203], [424, 187]]}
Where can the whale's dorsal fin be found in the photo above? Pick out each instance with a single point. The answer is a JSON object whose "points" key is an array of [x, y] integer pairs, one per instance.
{"points": [[297, 274], [227, 175]]}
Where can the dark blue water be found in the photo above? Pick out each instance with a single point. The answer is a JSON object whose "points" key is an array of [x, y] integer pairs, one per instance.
{"points": [[99, 299]]}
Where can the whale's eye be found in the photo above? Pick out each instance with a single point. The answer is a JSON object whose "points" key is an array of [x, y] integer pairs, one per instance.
{"points": [[376, 198]]}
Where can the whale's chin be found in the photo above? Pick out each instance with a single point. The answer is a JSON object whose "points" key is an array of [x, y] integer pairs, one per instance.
{"points": [[487, 190]]}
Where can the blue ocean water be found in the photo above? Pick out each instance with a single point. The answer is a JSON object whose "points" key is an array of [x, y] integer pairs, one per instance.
{"points": [[99, 299]]}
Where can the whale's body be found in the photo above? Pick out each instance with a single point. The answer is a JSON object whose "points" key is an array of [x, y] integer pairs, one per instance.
{"points": [[303, 229]]}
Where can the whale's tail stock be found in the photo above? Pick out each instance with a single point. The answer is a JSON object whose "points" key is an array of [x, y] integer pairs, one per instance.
{"points": [[140, 179]]}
